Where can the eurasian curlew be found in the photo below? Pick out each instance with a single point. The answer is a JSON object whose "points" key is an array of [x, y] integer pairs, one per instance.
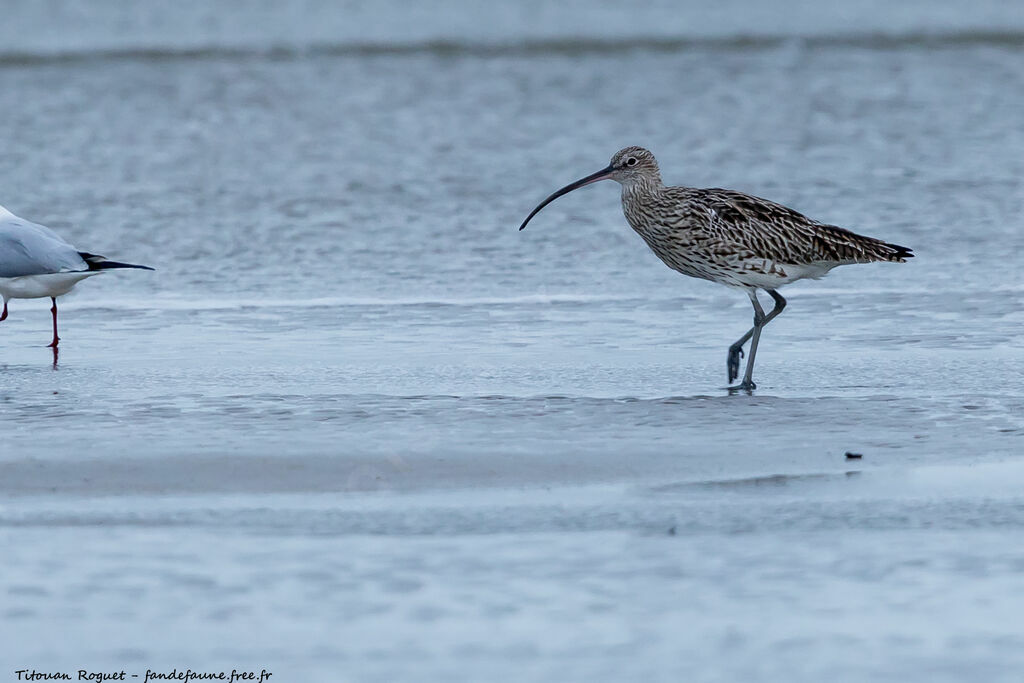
{"points": [[731, 238]]}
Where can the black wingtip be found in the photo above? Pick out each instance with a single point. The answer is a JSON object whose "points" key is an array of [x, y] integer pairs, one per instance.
{"points": [[96, 262], [111, 265]]}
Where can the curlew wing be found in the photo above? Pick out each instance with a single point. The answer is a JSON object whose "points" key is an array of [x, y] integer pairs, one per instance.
{"points": [[752, 229], [30, 249]]}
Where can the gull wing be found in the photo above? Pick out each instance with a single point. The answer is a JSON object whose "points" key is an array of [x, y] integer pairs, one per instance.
{"points": [[27, 248]]}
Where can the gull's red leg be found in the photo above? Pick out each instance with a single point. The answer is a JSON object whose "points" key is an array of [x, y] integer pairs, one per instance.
{"points": [[3, 316], [53, 310]]}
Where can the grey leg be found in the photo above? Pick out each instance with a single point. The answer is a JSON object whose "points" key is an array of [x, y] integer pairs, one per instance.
{"points": [[732, 363], [759, 320], [754, 333]]}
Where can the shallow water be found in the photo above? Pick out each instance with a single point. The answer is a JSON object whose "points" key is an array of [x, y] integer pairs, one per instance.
{"points": [[356, 407]]}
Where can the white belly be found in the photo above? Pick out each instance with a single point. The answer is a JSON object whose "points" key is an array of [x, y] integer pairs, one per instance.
{"points": [[38, 286], [769, 275]]}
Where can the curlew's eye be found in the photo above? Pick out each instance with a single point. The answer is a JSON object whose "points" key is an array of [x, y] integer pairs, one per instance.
{"points": [[631, 161]]}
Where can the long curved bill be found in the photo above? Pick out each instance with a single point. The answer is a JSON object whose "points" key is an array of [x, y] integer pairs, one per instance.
{"points": [[592, 178]]}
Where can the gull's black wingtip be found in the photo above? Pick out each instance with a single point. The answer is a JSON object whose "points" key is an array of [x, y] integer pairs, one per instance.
{"points": [[111, 265], [97, 262]]}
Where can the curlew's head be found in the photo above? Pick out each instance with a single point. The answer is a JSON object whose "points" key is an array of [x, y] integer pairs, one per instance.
{"points": [[629, 166]]}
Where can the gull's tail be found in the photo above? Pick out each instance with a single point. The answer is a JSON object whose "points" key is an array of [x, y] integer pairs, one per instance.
{"points": [[96, 262]]}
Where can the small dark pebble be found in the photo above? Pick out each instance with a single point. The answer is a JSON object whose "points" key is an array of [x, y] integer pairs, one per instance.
{"points": [[853, 456]]}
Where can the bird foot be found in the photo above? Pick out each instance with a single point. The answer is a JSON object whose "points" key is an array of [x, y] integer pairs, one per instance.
{"points": [[746, 387], [733, 363], [53, 344]]}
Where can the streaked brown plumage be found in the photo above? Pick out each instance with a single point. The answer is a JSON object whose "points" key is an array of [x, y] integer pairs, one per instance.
{"points": [[731, 238]]}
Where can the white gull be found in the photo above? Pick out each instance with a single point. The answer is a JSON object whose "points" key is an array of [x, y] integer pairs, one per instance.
{"points": [[35, 263]]}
